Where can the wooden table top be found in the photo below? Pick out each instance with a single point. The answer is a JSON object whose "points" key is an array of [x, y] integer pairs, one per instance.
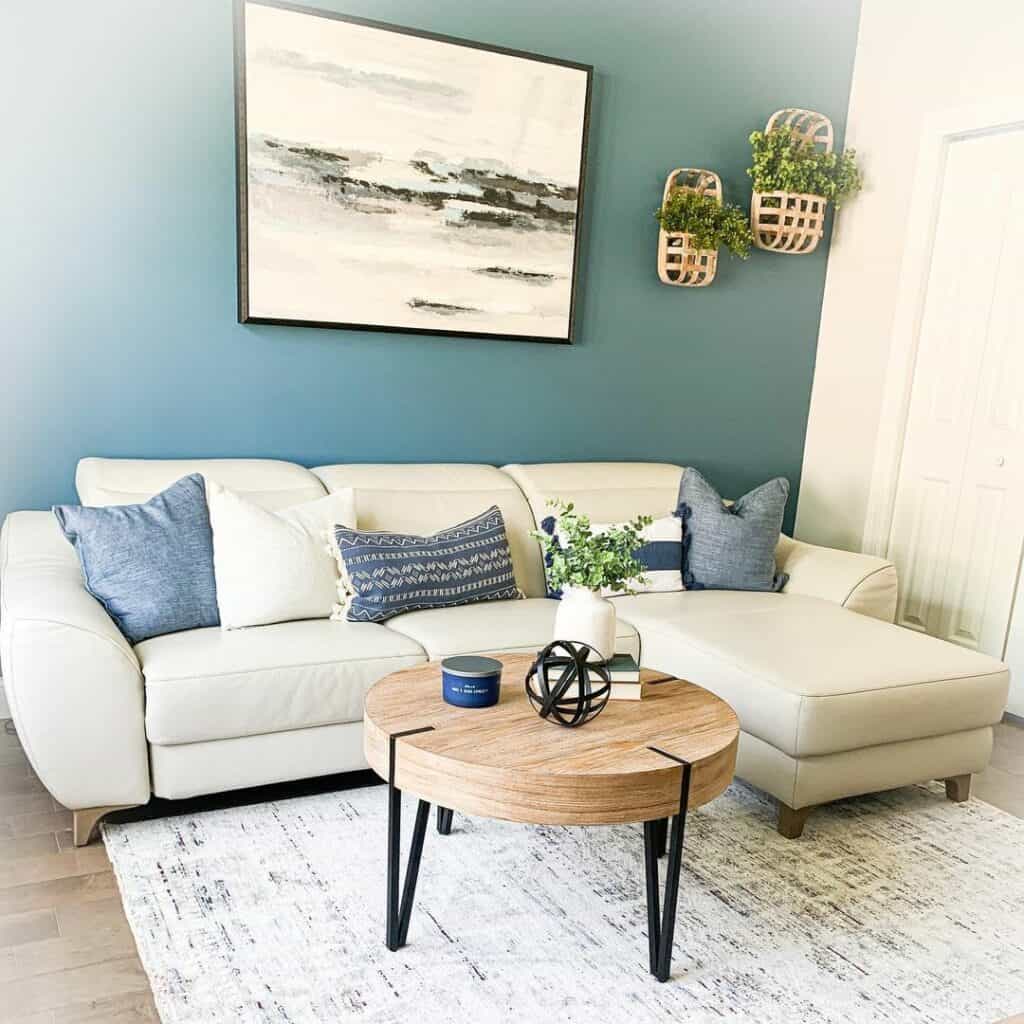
{"points": [[507, 762]]}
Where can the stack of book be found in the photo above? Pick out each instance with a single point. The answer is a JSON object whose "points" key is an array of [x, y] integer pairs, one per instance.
{"points": [[625, 677]]}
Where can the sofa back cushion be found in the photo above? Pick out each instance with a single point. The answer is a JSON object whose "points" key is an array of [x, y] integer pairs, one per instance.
{"points": [[266, 482], [424, 498], [608, 492]]}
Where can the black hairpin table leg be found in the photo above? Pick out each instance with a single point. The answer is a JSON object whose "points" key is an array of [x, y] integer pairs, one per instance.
{"points": [[399, 912], [444, 820], [661, 925], [660, 835]]}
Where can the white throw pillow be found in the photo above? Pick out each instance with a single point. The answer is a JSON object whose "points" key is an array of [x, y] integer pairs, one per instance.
{"points": [[275, 566]]}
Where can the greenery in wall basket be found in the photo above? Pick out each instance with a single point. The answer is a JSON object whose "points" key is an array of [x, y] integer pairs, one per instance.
{"points": [[591, 560], [784, 162], [709, 224]]}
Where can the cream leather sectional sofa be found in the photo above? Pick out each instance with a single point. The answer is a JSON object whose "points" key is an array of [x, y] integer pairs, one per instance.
{"points": [[832, 698]]}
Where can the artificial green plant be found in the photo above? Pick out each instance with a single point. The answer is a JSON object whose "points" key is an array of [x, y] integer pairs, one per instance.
{"points": [[785, 162], [709, 224]]}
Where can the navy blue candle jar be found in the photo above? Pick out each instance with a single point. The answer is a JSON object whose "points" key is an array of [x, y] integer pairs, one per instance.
{"points": [[469, 681]]}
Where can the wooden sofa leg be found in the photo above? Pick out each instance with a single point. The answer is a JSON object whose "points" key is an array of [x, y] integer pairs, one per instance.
{"points": [[958, 788], [791, 822], [87, 821]]}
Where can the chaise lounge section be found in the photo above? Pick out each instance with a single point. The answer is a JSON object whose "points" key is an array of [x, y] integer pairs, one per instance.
{"points": [[832, 698]]}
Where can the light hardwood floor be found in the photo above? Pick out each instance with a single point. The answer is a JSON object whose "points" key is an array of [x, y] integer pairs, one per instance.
{"points": [[66, 952]]}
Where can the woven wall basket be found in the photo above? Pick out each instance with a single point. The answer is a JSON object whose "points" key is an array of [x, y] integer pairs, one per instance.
{"points": [[678, 262], [793, 222]]}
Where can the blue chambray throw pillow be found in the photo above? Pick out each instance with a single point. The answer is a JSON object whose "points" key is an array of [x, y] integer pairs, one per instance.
{"points": [[731, 547], [149, 565], [385, 574]]}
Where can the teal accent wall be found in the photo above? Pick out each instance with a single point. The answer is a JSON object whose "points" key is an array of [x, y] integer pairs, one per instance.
{"points": [[117, 260]]}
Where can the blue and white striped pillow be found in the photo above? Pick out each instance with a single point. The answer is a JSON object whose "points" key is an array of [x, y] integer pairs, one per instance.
{"points": [[385, 574], [661, 555]]}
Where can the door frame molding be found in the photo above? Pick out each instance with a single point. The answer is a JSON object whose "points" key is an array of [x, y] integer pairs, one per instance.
{"points": [[939, 131]]}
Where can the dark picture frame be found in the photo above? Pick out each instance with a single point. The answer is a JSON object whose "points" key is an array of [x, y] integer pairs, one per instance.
{"points": [[510, 276]]}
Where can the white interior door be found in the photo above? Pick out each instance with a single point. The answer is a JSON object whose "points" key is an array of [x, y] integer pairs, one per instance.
{"points": [[958, 522]]}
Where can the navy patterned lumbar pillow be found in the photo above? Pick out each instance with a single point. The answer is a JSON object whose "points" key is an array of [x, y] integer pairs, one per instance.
{"points": [[149, 565], [385, 574], [731, 547]]}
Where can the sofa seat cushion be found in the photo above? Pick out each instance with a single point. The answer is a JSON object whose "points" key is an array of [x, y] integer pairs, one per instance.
{"points": [[207, 684], [810, 677], [496, 626]]}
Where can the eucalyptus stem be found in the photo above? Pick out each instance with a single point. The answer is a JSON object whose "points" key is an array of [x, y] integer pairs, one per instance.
{"points": [[579, 557]]}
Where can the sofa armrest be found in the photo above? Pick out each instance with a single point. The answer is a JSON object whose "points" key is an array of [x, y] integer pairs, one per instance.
{"points": [[861, 583], [72, 680]]}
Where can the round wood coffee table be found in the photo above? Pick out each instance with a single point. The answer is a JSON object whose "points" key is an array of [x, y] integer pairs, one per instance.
{"points": [[639, 761]]}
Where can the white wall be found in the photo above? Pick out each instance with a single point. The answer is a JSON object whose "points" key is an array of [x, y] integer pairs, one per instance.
{"points": [[914, 57]]}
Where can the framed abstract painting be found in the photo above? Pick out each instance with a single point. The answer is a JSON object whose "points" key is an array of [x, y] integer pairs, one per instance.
{"points": [[396, 180]]}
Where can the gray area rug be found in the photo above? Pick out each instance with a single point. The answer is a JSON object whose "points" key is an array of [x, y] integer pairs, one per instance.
{"points": [[901, 907]]}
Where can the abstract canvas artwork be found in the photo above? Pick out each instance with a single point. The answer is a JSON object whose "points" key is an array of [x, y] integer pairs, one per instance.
{"points": [[391, 179]]}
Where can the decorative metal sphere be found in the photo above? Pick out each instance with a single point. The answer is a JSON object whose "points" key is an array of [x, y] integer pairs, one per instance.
{"points": [[564, 688]]}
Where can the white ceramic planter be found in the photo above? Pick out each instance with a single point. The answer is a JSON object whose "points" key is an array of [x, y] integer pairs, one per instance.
{"points": [[584, 617]]}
